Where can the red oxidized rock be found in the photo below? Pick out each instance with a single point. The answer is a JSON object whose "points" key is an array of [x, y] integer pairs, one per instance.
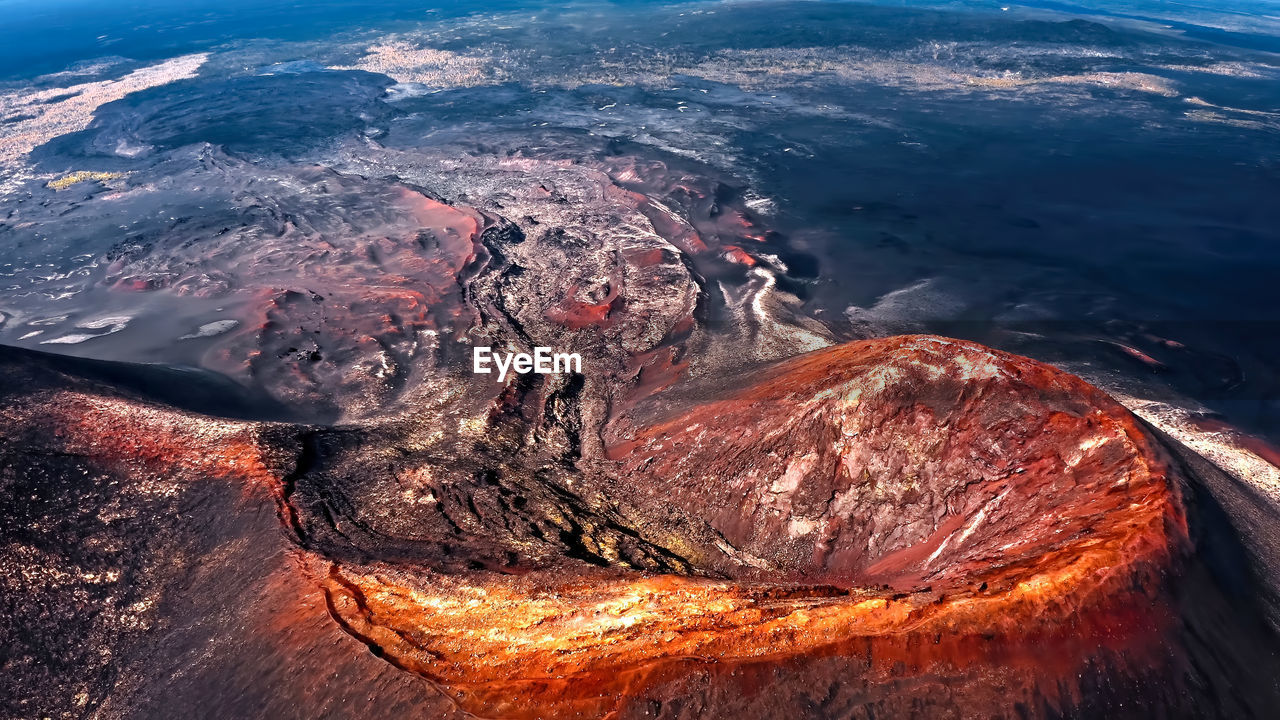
{"points": [[909, 461]]}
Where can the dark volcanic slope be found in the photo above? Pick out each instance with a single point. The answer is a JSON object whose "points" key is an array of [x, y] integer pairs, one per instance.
{"points": [[144, 571]]}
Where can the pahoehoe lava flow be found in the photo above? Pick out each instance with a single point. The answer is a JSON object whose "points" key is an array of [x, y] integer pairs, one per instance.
{"points": [[890, 527]]}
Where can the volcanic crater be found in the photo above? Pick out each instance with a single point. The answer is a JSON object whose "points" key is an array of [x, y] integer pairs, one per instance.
{"points": [[903, 526], [913, 503]]}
